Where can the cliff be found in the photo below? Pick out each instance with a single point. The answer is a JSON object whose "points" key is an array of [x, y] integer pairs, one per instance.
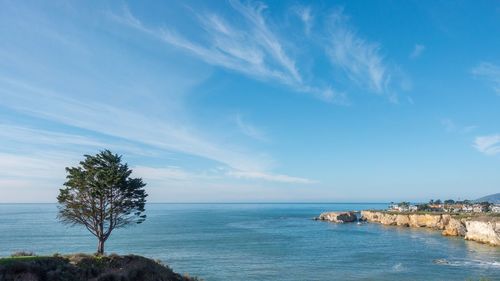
{"points": [[484, 229], [85, 267]]}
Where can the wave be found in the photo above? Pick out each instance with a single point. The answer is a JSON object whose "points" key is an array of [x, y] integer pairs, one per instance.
{"points": [[398, 267], [468, 263]]}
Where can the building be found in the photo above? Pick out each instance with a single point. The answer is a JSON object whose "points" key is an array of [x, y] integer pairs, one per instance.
{"points": [[478, 208], [495, 208], [403, 208], [453, 208]]}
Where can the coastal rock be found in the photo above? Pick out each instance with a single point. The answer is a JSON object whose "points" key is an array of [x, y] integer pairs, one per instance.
{"points": [[389, 219], [370, 216], [338, 217], [426, 220], [402, 220], [455, 227], [483, 231]]}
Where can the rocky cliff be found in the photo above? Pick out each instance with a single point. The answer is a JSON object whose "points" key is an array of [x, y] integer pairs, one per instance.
{"points": [[480, 229], [338, 217]]}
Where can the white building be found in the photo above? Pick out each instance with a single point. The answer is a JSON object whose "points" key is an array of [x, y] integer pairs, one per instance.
{"points": [[403, 208], [467, 208], [477, 208], [495, 208]]}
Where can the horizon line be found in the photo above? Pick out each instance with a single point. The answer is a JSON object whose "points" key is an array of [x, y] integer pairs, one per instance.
{"points": [[5, 203]]}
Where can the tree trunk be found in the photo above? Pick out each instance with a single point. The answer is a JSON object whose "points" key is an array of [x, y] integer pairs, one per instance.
{"points": [[100, 247]]}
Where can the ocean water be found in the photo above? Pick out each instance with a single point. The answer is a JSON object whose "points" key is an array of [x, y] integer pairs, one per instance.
{"points": [[261, 242]]}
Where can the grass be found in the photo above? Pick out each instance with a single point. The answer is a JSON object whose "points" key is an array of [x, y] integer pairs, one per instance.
{"points": [[4, 261]]}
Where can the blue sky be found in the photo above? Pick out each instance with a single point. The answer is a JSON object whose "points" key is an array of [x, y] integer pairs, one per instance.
{"points": [[229, 101]]}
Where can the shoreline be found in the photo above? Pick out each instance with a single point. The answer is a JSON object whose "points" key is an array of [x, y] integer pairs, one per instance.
{"points": [[473, 227], [478, 227]]}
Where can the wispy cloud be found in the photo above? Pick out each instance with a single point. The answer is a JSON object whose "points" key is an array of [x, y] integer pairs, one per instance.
{"points": [[269, 177], [451, 127], [162, 135], [490, 73], [306, 16], [249, 129], [173, 134], [254, 50], [417, 51], [24, 136], [36, 176], [170, 173], [489, 145], [174, 174], [33, 166], [361, 60]]}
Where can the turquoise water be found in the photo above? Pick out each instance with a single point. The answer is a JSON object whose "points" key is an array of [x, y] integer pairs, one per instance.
{"points": [[261, 242]]}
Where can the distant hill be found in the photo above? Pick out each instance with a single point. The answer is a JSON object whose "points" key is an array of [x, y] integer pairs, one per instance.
{"points": [[493, 198]]}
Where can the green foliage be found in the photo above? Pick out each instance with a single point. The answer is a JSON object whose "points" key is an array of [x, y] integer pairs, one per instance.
{"points": [[9, 260], [100, 195], [423, 207], [23, 254]]}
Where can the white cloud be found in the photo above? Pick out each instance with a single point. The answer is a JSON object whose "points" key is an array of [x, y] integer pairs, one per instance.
{"points": [[489, 145], [250, 130], [167, 174], [269, 177], [176, 174], [417, 51], [359, 59], [490, 73], [254, 50]]}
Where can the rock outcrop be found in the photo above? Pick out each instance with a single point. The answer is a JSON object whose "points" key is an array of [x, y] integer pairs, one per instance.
{"points": [[480, 229], [338, 217], [455, 227], [483, 231]]}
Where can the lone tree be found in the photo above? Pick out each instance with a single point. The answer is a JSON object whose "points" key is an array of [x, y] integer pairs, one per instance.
{"points": [[101, 195]]}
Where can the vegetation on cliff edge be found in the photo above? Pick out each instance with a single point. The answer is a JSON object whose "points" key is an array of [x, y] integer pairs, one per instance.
{"points": [[82, 267]]}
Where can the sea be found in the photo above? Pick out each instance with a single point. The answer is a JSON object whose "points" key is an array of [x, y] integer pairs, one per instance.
{"points": [[257, 242]]}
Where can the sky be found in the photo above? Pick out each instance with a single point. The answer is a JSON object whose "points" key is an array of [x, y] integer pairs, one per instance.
{"points": [[246, 101]]}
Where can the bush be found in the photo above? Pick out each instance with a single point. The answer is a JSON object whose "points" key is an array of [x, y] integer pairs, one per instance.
{"points": [[22, 254]]}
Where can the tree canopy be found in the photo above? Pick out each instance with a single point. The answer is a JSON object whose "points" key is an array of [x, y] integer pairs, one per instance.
{"points": [[101, 195]]}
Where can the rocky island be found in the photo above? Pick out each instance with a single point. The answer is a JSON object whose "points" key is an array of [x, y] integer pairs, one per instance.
{"points": [[81, 267]]}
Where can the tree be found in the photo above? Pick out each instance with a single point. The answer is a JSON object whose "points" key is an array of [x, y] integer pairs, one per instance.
{"points": [[449, 202], [101, 195], [404, 204]]}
